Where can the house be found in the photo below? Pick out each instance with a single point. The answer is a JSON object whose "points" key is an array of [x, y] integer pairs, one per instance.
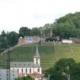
{"points": [[3, 74]]}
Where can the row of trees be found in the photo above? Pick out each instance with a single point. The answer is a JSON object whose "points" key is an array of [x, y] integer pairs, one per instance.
{"points": [[64, 69], [67, 26], [25, 31], [10, 39], [64, 27]]}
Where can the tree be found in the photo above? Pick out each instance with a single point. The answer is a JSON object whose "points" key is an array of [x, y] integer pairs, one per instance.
{"points": [[3, 43], [61, 69], [67, 26], [25, 78], [47, 30], [36, 32], [24, 31], [12, 38], [64, 30], [75, 72], [3, 33]]}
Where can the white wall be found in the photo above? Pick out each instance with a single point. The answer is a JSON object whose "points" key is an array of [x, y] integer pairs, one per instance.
{"points": [[3, 74], [67, 41], [36, 60]]}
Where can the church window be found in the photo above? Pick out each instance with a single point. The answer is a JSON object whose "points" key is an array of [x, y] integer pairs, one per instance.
{"points": [[30, 70], [17, 70], [26, 70], [22, 70], [38, 70], [36, 61]]}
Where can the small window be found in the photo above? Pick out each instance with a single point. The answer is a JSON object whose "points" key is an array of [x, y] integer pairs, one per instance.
{"points": [[30, 70], [22, 70], [38, 70], [26, 70], [13, 74], [17, 70]]}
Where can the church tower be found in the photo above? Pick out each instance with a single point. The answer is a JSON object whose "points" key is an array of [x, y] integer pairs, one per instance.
{"points": [[37, 56]]}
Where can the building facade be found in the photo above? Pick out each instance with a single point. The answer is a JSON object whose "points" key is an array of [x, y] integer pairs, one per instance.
{"points": [[3, 74], [20, 69]]}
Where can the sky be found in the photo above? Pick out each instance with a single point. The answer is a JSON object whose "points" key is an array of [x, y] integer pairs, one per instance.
{"points": [[33, 13]]}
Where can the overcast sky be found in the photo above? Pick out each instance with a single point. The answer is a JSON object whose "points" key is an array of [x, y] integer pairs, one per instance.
{"points": [[33, 13]]}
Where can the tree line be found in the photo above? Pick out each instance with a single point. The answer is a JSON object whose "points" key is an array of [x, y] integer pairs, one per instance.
{"points": [[64, 27], [10, 39]]}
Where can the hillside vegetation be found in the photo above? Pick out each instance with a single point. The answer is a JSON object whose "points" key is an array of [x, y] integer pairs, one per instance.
{"points": [[49, 53]]}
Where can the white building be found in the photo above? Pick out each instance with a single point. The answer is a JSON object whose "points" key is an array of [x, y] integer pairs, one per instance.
{"points": [[19, 69], [3, 74]]}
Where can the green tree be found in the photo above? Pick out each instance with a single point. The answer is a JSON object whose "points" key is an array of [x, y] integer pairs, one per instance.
{"points": [[64, 30], [67, 26], [61, 69], [3, 43], [3, 33], [24, 31], [25, 78], [47, 30], [36, 31], [12, 38], [75, 72]]}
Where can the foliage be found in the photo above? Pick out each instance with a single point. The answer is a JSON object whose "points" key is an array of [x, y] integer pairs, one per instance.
{"points": [[50, 39], [67, 26], [25, 78], [7, 40], [12, 38], [3, 43], [36, 32], [24, 31], [63, 68], [47, 30]]}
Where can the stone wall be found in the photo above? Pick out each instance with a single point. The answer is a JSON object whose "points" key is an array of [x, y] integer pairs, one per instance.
{"points": [[29, 39]]}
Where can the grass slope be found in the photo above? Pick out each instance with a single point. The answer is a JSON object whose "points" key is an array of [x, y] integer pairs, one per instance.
{"points": [[49, 53]]}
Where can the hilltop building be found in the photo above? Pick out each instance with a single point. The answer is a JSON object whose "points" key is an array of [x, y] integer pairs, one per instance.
{"points": [[28, 39], [19, 69]]}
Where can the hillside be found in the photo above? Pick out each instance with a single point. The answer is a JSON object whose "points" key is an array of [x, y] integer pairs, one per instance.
{"points": [[49, 53]]}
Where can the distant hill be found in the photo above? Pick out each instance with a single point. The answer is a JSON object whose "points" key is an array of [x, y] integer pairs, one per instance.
{"points": [[49, 53]]}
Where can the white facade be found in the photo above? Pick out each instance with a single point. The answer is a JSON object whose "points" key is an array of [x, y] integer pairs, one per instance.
{"points": [[19, 69], [67, 41], [3, 74]]}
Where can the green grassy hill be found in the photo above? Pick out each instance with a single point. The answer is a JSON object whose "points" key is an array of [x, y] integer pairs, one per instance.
{"points": [[49, 53]]}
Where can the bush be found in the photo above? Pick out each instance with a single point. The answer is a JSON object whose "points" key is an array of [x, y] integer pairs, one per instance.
{"points": [[50, 39]]}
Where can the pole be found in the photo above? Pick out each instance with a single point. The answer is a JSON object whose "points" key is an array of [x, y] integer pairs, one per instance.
{"points": [[8, 64], [68, 77]]}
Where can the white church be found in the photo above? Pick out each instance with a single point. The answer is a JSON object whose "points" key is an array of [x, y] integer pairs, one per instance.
{"points": [[19, 69]]}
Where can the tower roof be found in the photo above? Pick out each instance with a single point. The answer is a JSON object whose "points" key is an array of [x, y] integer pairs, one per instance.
{"points": [[37, 52]]}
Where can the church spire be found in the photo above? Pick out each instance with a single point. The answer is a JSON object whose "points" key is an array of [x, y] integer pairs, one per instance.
{"points": [[37, 56], [37, 52]]}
